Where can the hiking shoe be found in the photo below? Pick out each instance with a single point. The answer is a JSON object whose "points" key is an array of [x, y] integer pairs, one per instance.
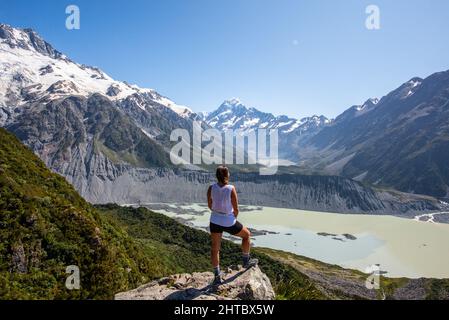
{"points": [[251, 263], [218, 279]]}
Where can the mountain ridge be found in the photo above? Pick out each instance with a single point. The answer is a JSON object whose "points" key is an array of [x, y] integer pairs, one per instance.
{"points": [[233, 114], [401, 143], [100, 133], [397, 141], [36, 68]]}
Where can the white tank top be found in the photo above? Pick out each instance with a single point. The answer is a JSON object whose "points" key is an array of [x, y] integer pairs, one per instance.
{"points": [[222, 210]]}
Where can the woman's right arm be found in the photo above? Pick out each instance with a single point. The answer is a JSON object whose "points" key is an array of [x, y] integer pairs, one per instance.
{"points": [[209, 197], [235, 202]]}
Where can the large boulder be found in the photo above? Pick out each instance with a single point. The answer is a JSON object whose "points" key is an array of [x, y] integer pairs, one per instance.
{"points": [[238, 284]]}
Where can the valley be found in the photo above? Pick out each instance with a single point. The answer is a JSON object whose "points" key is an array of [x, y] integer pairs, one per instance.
{"points": [[111, 140], [82, 154]]}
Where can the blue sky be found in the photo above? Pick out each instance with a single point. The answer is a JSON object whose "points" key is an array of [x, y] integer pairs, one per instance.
{"points": [[286, 56]]}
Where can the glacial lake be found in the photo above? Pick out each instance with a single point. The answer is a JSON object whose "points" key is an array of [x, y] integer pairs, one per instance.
{"points": [[402, 247]]}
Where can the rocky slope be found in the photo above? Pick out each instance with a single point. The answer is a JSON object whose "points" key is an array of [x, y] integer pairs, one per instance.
{"points": [[400, 141], [238, 284], [75, 116], [45, 226], [85, 137], [320, 193]]}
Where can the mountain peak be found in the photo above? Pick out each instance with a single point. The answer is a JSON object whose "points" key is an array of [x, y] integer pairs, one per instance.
{"points": [[34, 70], [233, 101], [27, 39], [415, 80], [234, 115], [368, 104], [233, 104], [372, 101], [407, 89]]}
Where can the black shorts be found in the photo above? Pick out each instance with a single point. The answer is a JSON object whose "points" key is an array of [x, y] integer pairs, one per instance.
{"points": [[236, 228]]}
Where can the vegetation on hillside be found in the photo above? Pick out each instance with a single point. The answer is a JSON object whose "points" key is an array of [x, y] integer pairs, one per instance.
{"points": [[185, 249], [46, 226]]}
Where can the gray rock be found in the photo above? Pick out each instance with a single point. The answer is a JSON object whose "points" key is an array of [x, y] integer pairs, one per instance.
{"points": [[45, 70], [19, 259], [113, 91], [238, 284], [349, 236]]}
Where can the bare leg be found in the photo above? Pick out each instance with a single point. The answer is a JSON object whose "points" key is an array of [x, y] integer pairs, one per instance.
{"points": [[245, 234], [215, 249]]}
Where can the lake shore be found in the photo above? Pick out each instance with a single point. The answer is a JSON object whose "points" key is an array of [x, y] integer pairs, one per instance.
{"points": [[402, 247]]}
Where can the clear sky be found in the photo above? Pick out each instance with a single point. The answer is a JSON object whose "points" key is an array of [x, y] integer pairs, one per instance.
{"points": [[293, 57]]}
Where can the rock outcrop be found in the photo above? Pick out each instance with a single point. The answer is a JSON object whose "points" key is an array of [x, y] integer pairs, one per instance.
{"points": [[238, 284]]}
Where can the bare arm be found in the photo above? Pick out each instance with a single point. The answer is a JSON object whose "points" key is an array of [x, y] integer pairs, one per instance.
{"points": [[209, 198], [235, 202]]}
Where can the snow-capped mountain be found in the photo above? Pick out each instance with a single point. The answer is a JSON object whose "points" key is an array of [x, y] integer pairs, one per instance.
{"points": [[357, 110], [103, 134], [31, 70], [401, 141], [82, 123], [234, 115]]}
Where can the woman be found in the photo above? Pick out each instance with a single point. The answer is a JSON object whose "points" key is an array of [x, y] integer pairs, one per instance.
{"points": [[223, 202]]}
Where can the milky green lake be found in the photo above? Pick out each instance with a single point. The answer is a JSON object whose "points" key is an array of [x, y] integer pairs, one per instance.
{"points": [[402, 247]]}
